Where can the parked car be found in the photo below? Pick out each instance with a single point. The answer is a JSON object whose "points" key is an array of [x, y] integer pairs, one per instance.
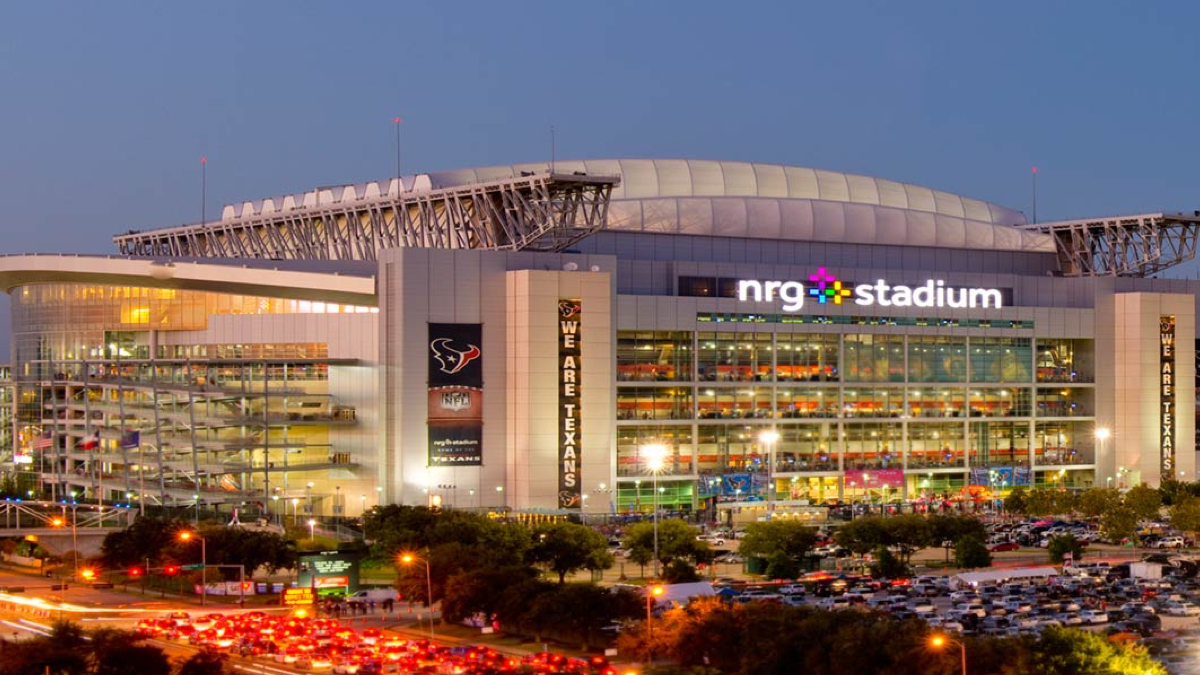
{"points": [[1004, 546]]}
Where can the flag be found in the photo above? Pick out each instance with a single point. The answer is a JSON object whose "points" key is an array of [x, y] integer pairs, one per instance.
{"points": [[131, 439], [44, 440], [89, 443]]}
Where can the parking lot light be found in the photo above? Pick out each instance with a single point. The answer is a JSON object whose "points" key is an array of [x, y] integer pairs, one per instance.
{"points": [[937, 641]]}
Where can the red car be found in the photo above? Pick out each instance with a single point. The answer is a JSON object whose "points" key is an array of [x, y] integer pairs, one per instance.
{"points": [[1006, 546]]}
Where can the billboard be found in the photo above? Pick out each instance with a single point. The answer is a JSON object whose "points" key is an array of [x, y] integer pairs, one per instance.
{"points": [[455, 417], [1166, 396], [570, 495], [328, 570]]}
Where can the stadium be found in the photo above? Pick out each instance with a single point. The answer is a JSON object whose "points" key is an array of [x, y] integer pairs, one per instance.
{"points": [[603, 336]]}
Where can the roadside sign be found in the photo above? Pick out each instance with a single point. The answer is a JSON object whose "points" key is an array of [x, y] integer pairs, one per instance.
{"points": [[297, 596], [191, 567]]}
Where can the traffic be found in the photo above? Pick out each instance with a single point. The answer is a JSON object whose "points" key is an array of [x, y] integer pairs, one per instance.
{"points": [[303, 642]]}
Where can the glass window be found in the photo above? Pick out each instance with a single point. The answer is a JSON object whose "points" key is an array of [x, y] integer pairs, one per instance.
{"points": [[937, 402], [725, 402], [807, 447], [1000, 402], [1064, 402], [873, 402], [1065, 360], [654, 356], [1057, 443], [1001, 359], [999, 443], [874, 358], [937, 359], [806, 402], [806, 357], [633, 441], [872, 446], [654, 403], [730, 448], [734, 357], [935, 445]]}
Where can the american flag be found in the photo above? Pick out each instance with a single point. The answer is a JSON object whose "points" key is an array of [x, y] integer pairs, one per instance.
{"points": [[43, 441], [131, 439]]}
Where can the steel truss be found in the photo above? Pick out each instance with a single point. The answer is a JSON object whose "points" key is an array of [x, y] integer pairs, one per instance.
{"points": [[541, 212], [1123, 246]]}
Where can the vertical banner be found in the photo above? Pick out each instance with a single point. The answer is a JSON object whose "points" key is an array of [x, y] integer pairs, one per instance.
{"points": [[570, 494], [1166, 395], [455, 394]]}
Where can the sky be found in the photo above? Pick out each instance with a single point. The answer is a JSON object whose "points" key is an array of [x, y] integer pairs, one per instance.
{"points": [[106, 108]]}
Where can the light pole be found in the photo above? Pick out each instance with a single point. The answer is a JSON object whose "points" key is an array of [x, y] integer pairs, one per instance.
{"points": [[939, 641], [312, 529], [769, 438], [651, 593], [655, 454], [308, 502], [188, 535], [409, 558]]}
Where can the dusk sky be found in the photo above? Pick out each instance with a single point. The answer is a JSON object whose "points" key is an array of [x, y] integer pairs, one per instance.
{"points": [[107, 107]]}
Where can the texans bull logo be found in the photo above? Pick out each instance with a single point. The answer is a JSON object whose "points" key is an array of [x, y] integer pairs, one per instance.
{"points": [[568, 500], [451, 360], [568, 308]]}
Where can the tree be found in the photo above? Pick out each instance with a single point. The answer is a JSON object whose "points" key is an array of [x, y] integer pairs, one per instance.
{"points": [[1118, 524], [1097, 501], [679, 571], [1063, 651], [861, 535], [1063, 544], [68, 651], [481, 591], [1017, 501], [676, 539], [1144, 501], [1185, 515], [888, 565], [206, 662], [564, 548], [908, 534], [970, 552], [1044, 502], [146, 538], [790, 538], [782, 566]]}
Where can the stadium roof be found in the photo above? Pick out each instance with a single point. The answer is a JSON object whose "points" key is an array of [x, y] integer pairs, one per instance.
{"points": [[770, 201]]}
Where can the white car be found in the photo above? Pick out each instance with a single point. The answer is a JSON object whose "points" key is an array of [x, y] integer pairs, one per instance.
{"points": [[713, 539], [1181, 609], [973, 608], [1092, 617], [1069, 618]]}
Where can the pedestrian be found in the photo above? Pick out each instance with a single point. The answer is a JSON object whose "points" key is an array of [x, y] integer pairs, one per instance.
{"points": [[371, 604]]}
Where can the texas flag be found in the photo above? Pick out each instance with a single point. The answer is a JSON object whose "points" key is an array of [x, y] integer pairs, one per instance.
{"points": [[90, 443]]}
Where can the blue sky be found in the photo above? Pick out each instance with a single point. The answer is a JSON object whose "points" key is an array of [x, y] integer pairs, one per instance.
{"points": [[105, 108]]}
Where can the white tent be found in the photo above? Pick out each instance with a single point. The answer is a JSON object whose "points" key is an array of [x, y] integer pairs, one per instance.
{"points": [[681, 594], [1007, 574]]}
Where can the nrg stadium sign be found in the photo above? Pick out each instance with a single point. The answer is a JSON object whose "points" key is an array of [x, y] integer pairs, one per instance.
{"points": [[826, 289]]}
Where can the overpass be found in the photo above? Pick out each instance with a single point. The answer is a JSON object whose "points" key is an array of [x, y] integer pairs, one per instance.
{"points": [[63, 526]]}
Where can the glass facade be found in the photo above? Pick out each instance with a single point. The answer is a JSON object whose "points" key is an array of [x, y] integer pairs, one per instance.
{"points": [[133, 416], [950, 412]]}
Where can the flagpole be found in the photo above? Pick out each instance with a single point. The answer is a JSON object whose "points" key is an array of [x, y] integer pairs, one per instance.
{"points": [[396, 121], [121, 413]]}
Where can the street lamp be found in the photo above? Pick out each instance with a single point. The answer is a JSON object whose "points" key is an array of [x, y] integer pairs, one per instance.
{"points": [[938, 641], [651, 594], [188, 535], [769, 438], [655, 454], [312, 529], [409, 558]]}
